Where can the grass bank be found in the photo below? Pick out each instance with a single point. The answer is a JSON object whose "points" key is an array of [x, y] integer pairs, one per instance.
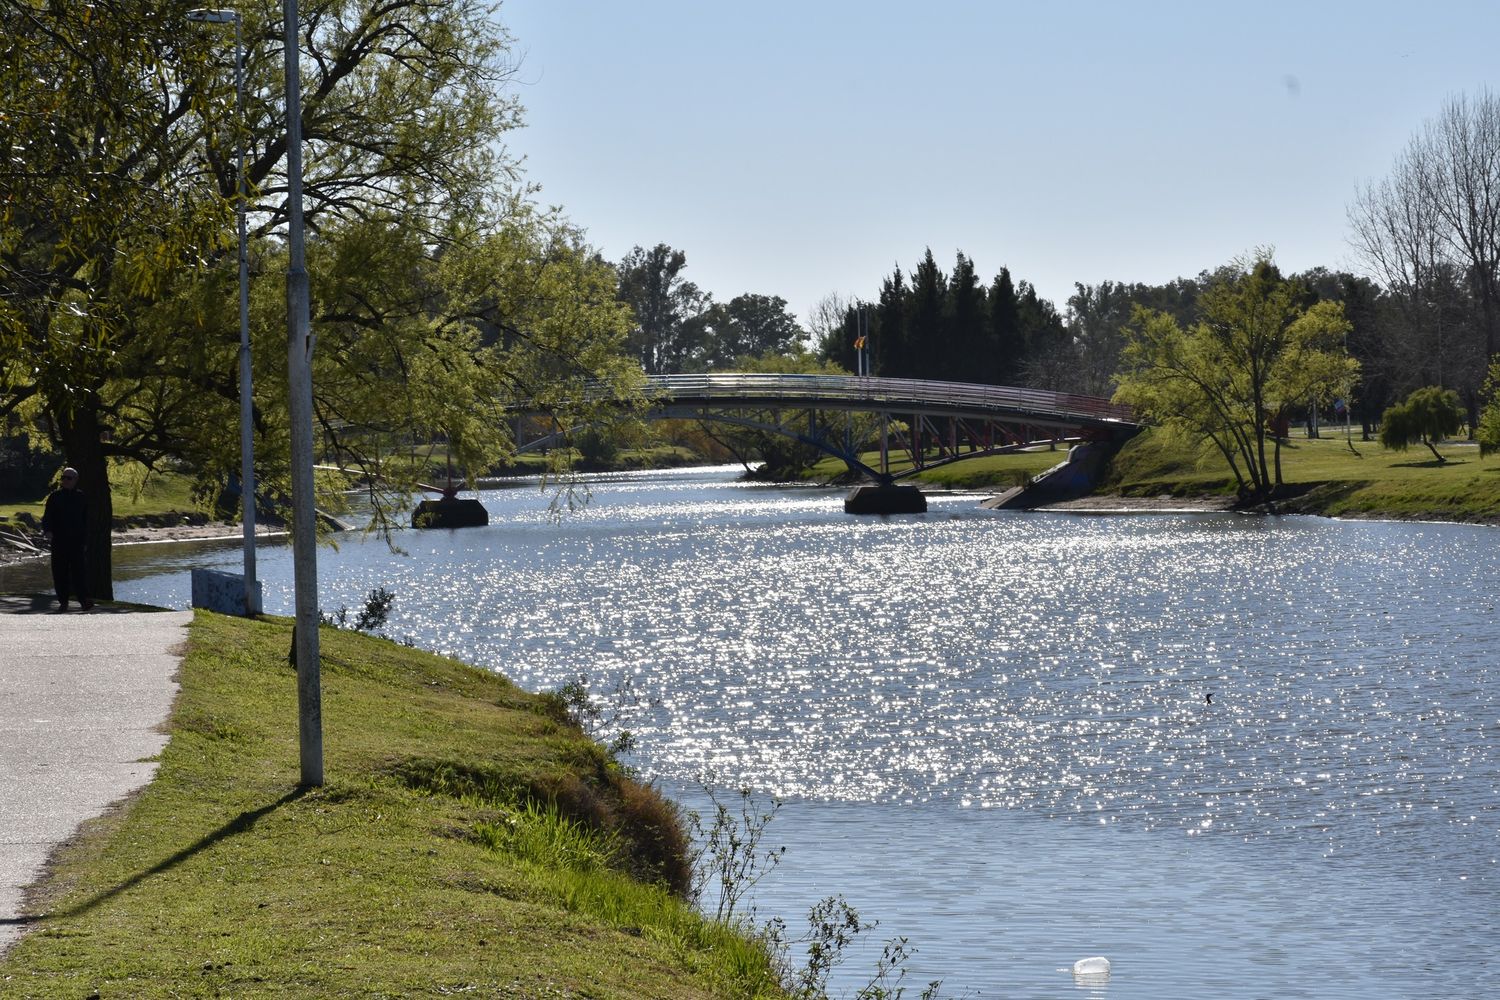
{"points": [[1331, 475], [470, 841], [136, 497], [996, 472]]}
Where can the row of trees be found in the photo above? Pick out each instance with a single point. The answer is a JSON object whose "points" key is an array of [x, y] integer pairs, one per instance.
{"points": [[1425, 312], [680, 328], [950, 327], [1429, 233]]}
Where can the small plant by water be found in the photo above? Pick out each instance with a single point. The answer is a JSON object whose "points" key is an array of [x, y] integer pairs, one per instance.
{"points": [[371, 618]]}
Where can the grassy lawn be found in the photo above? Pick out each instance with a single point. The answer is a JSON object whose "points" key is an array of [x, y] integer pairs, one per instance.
{"points": [[1365, 480], [134, 495], [470, 841], [1337, 476], [990, 472]]}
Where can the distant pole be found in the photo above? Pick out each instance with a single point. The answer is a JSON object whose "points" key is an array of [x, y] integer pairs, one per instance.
{"points": [[247, 400], [299, 387], [208, 15]]}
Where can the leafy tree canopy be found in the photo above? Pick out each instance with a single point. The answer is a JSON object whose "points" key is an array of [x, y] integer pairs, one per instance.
{"points": [[439, 291], [1256, 351], [1427, 416]]}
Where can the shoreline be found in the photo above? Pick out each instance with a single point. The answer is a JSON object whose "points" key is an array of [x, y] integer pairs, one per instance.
{"points": [[11, 555], [1098, 503]]}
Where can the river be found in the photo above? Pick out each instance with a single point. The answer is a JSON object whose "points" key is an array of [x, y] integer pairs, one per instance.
{"points": [[991, 731]]}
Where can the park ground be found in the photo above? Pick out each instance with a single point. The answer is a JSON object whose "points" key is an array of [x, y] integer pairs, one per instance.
{"points": [[470, 839], [1333, 475]]}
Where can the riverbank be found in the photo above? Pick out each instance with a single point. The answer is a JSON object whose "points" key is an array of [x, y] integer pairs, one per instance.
{"points": [[1331, 476], [17, 547], [470, 838]]}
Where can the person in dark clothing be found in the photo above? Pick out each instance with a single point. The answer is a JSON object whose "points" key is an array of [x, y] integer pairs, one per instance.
{"points": [[65, 523]]}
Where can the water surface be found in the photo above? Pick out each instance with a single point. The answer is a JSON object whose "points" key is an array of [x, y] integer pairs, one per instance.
{"points": [[991, 730]]}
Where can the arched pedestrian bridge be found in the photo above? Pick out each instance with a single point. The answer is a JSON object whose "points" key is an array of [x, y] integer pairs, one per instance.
{"points": [[932, 423]]}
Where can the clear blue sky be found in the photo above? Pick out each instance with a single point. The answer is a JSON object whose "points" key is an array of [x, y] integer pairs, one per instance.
{"points": [[802, 148]]}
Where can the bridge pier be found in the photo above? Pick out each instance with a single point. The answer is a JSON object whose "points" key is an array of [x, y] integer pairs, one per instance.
{"points": [[885, 498]]}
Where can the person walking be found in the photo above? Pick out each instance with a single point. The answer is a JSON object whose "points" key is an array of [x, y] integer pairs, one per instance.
{"points": [[65, 524]]}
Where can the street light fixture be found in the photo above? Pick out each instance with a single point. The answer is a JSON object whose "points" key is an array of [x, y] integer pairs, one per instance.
{"points": [[247, 440]]}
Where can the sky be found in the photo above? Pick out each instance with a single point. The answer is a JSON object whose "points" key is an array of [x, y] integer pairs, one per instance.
{"points": [[806, 147]]}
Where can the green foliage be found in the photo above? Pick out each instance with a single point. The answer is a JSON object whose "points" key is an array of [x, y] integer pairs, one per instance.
{"points": [[440, 294], [747, 326], [951, 328], [668, 309], [1256, 353], [1487, 433], [1427, 416]]}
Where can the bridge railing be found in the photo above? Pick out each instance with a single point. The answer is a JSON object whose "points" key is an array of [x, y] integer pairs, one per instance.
{"points": [[897, 394]]}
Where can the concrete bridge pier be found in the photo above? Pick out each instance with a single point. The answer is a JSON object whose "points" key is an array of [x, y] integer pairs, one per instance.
{"points": [[885, 498]]}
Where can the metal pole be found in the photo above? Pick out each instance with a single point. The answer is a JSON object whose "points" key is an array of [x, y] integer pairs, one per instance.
{"points": [[247, 401], [209, 15], [299, 387]]}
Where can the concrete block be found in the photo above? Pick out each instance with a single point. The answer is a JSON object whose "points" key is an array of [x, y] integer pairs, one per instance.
{"points": [[224, 593]]}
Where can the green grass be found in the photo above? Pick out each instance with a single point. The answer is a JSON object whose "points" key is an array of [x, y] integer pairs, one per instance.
{"points": [[989, 472], [1331, 477], [469, 841], [1327, 475], [132, 494]]}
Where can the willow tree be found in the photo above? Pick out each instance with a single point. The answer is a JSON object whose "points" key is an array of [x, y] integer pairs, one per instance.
{"points": [[118, 332], [1257, 351]]}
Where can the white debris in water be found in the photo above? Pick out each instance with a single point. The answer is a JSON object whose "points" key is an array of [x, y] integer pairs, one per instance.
{"points": [[1096, 966]]}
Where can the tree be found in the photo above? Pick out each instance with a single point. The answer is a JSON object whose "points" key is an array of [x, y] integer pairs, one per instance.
{"points": [[1427, 416], [1004, 341], [965, 322], [1430, 231], [747, 325], [1255, 351], [669, 309], [830, 327], [1488, 431], [1096, 320], [926, 334], [892, 354], [117, 330]]}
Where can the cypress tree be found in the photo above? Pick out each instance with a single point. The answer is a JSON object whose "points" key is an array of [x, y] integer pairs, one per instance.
{"points": [[1005, 345], [926, 339], [888, 328]]}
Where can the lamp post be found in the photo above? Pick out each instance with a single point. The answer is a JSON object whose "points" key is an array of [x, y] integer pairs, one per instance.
{"points": [[247, 404], [299, 406]]}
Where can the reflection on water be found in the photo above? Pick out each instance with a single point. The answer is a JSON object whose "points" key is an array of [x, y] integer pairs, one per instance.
{"points": [[992, 730]]}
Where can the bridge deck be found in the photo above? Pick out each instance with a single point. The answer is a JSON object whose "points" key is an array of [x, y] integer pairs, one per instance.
{"points": [[895, 395]]}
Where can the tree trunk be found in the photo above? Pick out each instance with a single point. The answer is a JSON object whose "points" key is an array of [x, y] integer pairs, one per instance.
{"points": [[1433, 448], [83, 449]]}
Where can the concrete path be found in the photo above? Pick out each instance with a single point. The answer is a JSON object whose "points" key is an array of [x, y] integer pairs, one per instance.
{"points": [[83, 697]]}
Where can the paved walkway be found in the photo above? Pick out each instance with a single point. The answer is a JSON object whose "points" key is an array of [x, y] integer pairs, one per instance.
{"points": [[83, 697]]}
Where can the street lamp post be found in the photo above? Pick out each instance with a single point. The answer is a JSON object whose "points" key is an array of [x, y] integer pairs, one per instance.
{"points": [[247, 404], [299, 392]]}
